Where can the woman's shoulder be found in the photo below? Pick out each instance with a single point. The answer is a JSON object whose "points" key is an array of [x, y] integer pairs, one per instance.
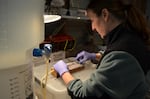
{"points": [[118, 54], [119, 59]]}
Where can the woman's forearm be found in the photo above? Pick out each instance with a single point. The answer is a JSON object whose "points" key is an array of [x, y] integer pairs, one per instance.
{"points": [[67, 77]]}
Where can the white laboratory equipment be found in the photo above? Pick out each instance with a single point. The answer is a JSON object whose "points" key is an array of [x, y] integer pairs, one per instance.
{"points": [[55, 87], [21, 29]]}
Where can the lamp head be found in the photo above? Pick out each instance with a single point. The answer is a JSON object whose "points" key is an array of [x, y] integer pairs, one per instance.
{"points": [[51, 18]]}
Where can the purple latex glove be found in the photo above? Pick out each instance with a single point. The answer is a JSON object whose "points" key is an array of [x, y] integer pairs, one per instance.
{"points": [[84, 56], [61, 67]]}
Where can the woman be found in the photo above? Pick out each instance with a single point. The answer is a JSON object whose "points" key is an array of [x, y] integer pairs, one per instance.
{"points": [[121, 71]]}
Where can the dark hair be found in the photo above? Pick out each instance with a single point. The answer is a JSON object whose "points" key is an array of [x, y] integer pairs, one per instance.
{"points": [[124, 11]]}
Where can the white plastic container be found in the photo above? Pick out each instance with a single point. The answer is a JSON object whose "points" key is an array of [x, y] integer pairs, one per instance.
{"points": [[21, 29]]}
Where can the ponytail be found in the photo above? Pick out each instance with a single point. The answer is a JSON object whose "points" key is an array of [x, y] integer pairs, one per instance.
{"points": [[137, 21]]}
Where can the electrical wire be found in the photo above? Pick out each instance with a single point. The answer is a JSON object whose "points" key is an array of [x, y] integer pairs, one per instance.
{"points": [[73, 45], [66, 44]]}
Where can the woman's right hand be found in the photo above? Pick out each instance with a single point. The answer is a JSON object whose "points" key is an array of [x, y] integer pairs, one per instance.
{"points": [[84, 56]]}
